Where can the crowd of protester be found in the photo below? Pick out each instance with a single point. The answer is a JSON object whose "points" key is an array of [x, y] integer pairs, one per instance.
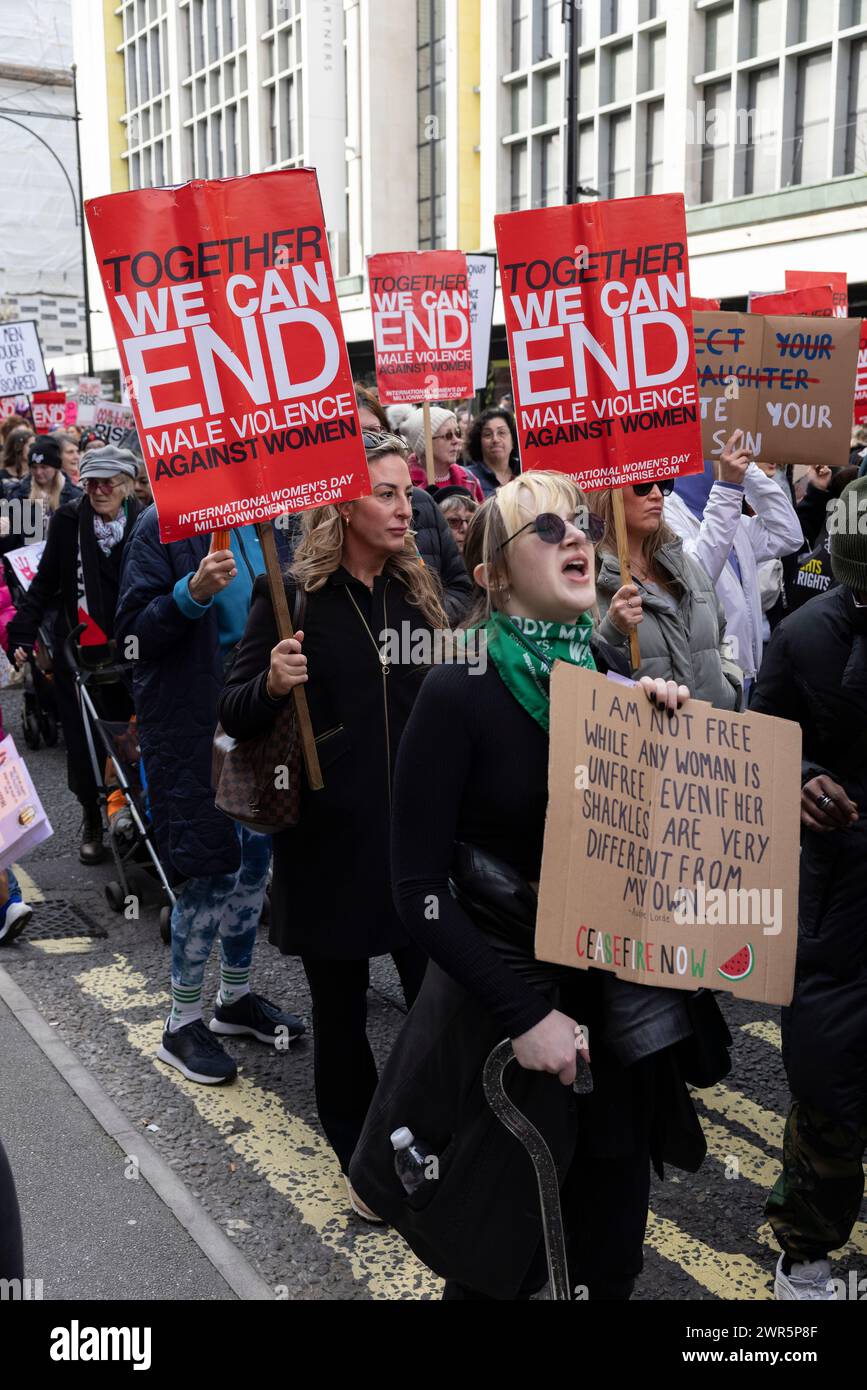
{"points": [[425, 843]]}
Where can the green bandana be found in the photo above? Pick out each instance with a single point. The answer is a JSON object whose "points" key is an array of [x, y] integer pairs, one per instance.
{"points": [[524, 650]]}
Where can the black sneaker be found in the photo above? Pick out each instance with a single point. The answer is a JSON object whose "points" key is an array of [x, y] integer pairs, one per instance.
{"points": [[260, 1019], [196, 1054]]}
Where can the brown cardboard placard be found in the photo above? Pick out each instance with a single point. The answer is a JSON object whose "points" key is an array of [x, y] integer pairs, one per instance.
{"points": [[787, 382], [671, 846]]}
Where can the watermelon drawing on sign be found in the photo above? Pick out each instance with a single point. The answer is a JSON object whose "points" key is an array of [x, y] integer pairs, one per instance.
{"points": [[738, 966]]}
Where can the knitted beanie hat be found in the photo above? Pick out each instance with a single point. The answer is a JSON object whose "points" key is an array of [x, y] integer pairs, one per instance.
{"points": [[847, 530], [412, 427]]}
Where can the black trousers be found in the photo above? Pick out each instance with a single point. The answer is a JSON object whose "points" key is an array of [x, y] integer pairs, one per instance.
{"points": [[344, 1071], [11, 1250], [111, 702]]}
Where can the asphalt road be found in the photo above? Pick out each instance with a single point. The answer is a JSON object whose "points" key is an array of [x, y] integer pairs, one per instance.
{"points": [[253, 1153]]}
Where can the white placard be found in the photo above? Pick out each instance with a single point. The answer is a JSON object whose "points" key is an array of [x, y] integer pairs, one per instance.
{"points": [[481, 278], [25, 562], [22, 370]]}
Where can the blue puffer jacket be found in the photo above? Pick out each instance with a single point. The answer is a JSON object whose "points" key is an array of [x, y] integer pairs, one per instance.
{"points": [[177, 680]]}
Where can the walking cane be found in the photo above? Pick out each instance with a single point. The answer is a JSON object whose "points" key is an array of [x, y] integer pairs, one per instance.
{"points": [[540, 1155]]}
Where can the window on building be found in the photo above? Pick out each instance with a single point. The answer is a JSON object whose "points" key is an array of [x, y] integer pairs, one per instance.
{"points": [[518, 176], [854, 12], [518, 107], [619, 155], [547, 108], [764, 20], [856, 115], [431, 122], [522, 20], [610, 17], [652, 65], [619, 79], [587, 155], [549, 171], [718, 36], [814, 20], [760, 121], [550, 43], [715, 134], [653, 146], [587, 94], [198, 9], [812, 118]]}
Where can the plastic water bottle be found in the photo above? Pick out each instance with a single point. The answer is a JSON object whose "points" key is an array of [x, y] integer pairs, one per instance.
{"points": [[415, 1164]]}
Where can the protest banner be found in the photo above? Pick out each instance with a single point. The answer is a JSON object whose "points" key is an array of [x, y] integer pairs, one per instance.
{"points": [[598, 317], [22, 370], [15, 405], [860, 409], [788, 383], [805, 279], [671, 844], [49, 411], [112, 422], [23, 822], [89, 391], [813, 301], [227, 323], [481, 279], [699, 304], [25, 562]]}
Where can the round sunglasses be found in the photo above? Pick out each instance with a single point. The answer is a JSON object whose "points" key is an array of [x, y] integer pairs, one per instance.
{"points": [[665, 485], [551, 528]]}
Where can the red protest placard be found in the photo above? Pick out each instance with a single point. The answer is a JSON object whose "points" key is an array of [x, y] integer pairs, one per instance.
{"points": [[813, 301], [227, 323], [420, 302], [807, 279], [861, 377], [703, 305], [49, 410], [599, 322]]}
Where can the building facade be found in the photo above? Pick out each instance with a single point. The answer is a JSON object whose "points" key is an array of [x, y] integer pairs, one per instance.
{"points": [[425, 118]]}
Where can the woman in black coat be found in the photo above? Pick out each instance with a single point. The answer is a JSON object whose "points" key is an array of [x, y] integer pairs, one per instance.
{"points": [[79, 576], [357, 575], [468, 828]]}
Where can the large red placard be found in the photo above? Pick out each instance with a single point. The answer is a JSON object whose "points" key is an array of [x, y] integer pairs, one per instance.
{"points": [[223, 305], [597, 307], [812, 301], [806, 279], [422, 339]]}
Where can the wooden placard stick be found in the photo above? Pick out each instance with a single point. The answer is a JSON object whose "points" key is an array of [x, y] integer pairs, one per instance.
{"points": [[625, 567], [428, 444], [265, 532]]}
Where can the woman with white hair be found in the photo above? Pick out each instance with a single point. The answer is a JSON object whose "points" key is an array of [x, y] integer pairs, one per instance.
{"points": [[447, 448]]}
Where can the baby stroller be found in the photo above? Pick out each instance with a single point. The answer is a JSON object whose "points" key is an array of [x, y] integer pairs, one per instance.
{"points": [[117, 768], [39, 714]]}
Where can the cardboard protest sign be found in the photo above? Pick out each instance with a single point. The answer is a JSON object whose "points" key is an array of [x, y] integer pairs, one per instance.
{"points": [[25, 562], [671, 845], [422, 336], [481, 278], [860, 411], [112, 422], [805, 279], [49, 411], [814, 301], [23, 822], [88, 393], [597, 307], [227, 323], [788, 383], [22, 370]]}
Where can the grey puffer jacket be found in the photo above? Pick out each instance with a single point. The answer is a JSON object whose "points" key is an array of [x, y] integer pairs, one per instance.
{"points": [[686, 645]]}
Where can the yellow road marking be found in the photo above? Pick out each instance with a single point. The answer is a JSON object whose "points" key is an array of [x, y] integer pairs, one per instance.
{"points": [[725, 1276], [30, 891], [292, 1157], [733, 1105], [765, 1030], [66, 946]]}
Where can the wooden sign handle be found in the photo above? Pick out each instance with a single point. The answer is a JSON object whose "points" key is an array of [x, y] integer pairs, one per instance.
{"points": [[428, 444], [285, 629], [625, 568]]}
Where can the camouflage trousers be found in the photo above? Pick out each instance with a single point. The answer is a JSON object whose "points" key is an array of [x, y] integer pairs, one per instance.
{"points": [[817, 1197]]}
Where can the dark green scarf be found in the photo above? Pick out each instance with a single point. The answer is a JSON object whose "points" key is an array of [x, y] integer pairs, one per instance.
{"points": [[524, 650]]}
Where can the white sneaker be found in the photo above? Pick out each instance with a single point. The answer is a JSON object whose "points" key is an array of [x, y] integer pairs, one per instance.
{"points": [[15, 919], [809, 1282]]}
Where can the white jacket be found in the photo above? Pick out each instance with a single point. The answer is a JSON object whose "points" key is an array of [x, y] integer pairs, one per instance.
{"points": [[769, 535]]}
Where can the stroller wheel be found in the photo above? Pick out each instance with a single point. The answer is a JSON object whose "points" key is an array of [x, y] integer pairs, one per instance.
{"points": [[166, 924], [115, 896], [31, 731], [48, 725]]}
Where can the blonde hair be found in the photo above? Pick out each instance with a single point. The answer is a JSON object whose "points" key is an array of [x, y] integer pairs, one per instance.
{"points": [[49, 495], [601, 503], [320, 550], [504, 513]]}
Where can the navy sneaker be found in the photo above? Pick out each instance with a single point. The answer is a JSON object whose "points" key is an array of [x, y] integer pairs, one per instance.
{"points": [[196, 1054], [259, 1018], [13, 919]]}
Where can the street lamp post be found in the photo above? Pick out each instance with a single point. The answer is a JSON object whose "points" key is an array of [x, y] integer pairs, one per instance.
{"points": [[88, 336], [572, 189]]}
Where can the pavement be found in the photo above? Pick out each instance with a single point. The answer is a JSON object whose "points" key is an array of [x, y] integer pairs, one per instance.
{"points": [[239, 1195]]}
